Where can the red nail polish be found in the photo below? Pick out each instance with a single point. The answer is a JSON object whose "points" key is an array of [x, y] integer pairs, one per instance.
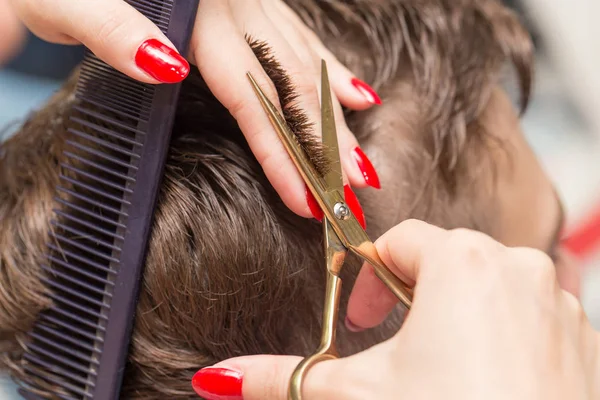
{"points": [[218, 384], [315, 208], [367, 91], [367, 169], [355, 206], [161, 62]]}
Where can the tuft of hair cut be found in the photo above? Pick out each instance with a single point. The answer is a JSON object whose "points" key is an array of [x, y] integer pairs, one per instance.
{"points": [[296, 118]]}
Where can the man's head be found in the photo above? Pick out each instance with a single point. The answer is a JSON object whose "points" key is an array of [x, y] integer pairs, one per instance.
{"points": [[230, 270]]}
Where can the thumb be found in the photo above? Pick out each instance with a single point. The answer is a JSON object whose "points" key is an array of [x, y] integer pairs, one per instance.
{"points": [[113, 30], [263, 377], [402, 248]]}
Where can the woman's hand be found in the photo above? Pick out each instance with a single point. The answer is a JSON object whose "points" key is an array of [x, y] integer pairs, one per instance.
{"points": [[487, 321], [129, 42]]}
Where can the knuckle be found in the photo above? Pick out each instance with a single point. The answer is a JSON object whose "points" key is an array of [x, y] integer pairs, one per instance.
{"points": [[274, 160], [539, 260], [543, 260], [467, 238], [474, 254], [404, 229], [409, 225], [276, 384], [539, 268], [112, 29], [545, 272], [242, 107], [474, 248], [306, 87], [238, 106], [575, 308]]}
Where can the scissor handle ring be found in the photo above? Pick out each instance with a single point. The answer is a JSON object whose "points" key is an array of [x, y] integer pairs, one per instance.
{"points": [[295, 388]]}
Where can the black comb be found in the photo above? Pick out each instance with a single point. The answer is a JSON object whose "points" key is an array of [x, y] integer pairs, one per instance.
{"points": [[112, 166]]}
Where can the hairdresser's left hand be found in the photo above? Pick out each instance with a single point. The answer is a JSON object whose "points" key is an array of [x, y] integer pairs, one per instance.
{"points": [[122, 37], [223, 58]]}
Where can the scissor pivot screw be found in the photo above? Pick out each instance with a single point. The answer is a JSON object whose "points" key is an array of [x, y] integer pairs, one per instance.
{"points": [[341, 211]]}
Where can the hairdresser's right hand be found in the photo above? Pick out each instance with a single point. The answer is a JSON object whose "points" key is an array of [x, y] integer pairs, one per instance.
{"points": [[118, 34], [487, 322]]}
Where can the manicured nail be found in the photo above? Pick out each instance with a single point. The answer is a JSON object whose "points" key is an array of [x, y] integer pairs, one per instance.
{"points": [[367, 91], [315, 208], [367, 169], [351, 327], [161, 62], [354, 205], [218, 384]]}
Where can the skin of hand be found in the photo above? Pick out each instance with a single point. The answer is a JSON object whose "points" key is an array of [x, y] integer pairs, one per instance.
{"points": [[132, 44], [487, 321], [12, 31]]}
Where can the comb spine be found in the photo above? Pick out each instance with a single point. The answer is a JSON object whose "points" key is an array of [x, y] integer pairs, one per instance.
{"points": [[151, 166]]}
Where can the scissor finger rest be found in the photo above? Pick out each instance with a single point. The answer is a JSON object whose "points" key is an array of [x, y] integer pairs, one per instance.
{"points": [[327, 350], [295, 392]]}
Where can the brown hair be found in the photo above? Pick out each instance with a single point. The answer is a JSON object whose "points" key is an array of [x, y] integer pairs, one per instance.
{"points": [[231, 271]]}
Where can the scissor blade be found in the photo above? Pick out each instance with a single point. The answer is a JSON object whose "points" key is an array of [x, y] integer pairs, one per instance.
{"points": [[333, 179], [307, 171]]}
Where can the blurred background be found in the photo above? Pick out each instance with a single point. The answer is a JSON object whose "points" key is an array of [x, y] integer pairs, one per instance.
{"points": [[562, 123]]}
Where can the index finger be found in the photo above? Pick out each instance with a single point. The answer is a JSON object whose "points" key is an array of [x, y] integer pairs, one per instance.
{"points": [[402, 249], [224, 72]]}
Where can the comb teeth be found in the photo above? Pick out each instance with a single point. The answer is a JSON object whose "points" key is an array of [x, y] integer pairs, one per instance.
{"points": [[114, 154], [98, 179]]}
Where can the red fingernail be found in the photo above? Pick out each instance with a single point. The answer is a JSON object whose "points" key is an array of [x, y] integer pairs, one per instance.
{"points": [[351, 327], [161, 62], [367, 91], [218, 384], [315, 208], [355, 206], [367, 169]]}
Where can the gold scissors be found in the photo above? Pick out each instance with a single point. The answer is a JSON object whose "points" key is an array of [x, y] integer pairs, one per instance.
{"points": [[341, 229]]}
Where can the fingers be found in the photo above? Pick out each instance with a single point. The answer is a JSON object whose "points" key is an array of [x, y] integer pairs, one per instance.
{"points": [[402, 249], [113, 30], [304, 68], [439, 260], [228, 82], [351, 91], [261, 378], [355, 163], [357, 168], [303, 75]]}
